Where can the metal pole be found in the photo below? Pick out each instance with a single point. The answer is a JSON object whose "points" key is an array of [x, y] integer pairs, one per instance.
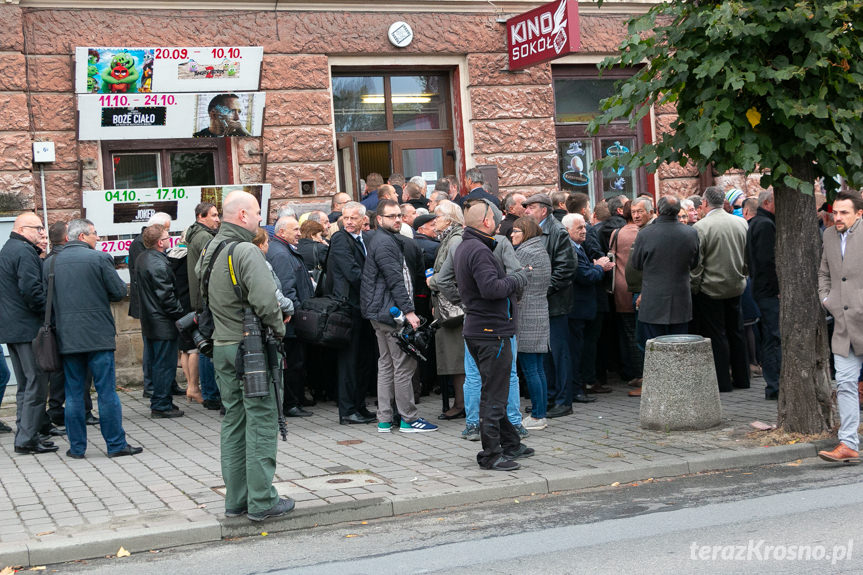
{"points": [[44, 198]]}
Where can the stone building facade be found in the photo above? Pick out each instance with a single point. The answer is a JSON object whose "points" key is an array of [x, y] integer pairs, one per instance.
{"points": [[512, 120]]}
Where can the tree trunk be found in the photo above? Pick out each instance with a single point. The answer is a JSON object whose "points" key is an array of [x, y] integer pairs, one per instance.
{"points": [[806, 402]]}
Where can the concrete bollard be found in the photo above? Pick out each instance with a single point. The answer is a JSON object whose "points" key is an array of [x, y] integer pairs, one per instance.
{"points": [[679, 391]]}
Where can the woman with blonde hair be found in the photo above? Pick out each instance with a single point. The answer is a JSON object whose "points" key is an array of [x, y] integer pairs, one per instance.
{"points": [[449, 341]]}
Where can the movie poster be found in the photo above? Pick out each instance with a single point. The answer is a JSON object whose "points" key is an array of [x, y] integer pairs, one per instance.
{"points": [[161, 70]]}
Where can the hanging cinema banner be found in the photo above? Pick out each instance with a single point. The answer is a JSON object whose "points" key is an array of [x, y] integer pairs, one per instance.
{"points": [[163, 70], [140, 116], [118, 213], [543, 34]]}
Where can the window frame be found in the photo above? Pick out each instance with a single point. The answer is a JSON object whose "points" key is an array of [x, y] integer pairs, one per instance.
{"points": [[165, 147]]}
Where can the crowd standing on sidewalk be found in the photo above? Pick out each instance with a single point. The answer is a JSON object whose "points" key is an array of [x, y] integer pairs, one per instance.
{"points": [[479, 298]]}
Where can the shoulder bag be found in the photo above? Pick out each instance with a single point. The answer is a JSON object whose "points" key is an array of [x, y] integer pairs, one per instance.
{"points": [[323, 320], [45, 347]]}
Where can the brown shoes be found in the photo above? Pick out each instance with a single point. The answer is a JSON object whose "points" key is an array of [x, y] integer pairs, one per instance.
{"points": [[635, 393], [634, 382], [840, 453]]}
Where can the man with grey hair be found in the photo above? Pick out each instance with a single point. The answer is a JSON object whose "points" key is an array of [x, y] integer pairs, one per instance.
{"points": [[473, 181], [436, 198], [85, 281], [284, 212], [512, 209], [761, 256], [135, 250], [717, 283], [345, 262], [642, 211], [290, 268]]}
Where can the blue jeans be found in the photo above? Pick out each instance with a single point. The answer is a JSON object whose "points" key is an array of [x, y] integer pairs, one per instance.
{"points": [[101, 364], [5, 374], [534, 373], [163, 369], [207, 377], [473, 387]]}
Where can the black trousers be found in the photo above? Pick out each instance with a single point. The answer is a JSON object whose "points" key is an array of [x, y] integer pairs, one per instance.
{"points": [[722, 321], [493, 358], [295, 373], [352, 390]]}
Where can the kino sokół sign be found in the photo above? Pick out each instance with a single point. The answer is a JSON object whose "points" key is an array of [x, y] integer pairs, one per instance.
{"points": [[543, 34]]}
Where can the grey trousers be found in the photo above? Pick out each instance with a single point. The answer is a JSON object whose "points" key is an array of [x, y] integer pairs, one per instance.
{"points": [[31, 396], [847, 373], [395, 373]]}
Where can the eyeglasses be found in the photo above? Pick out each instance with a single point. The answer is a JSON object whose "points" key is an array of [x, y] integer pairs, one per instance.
{"points": [[391, 216], [39, 228], [517, 231]]}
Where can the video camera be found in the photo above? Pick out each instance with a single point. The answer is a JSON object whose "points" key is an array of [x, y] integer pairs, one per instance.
{"points": [[188, 324], [415, 342]]}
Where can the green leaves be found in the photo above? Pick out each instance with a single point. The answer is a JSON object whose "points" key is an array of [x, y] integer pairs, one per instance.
{"points": [[799, 65]]}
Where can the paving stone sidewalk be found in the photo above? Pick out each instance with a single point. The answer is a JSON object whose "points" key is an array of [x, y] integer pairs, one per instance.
{"points": [[172, 493]]}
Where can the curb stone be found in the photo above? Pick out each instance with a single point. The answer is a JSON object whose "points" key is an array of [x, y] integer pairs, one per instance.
{"points": [[174, 533]]}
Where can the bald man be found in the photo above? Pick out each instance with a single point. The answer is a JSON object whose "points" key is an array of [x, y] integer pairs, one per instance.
{"points": [[20, 317], [247, 468]]}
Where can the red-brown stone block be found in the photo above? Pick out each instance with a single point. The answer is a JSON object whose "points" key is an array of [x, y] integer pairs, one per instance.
{"points": [[13, 111], [297, 109], [51, 73], [675, 170], [54, 111], [11, 37], [602, 33], [294, 72], [16, 152], [285, 179], [61, 188], [17, 182], [680, 187], [663, 124], [507, 136], [512, 102], [523, 170], [12, 77], [492, 70], [305, 144]]}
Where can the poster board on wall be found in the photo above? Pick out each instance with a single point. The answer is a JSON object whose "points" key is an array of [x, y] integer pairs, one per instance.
{"points": [[119, 70], [118, 214], [153, 116]]}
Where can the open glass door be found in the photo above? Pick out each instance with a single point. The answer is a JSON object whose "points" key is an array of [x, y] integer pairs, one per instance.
{"points": [[349, 180]]}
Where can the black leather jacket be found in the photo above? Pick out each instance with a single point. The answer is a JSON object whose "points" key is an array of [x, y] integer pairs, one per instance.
{"points": [[160, 306], [563, 264]]}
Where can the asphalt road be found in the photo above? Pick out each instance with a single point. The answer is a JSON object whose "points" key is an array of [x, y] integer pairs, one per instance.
{"points": [[804, 517]]}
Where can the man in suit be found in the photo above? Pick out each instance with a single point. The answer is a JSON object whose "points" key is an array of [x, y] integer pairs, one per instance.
{"points": [[717, 283], [345, 262], [297, 285], [840, 282], [588, 274], [473, 181], [665, 252]]}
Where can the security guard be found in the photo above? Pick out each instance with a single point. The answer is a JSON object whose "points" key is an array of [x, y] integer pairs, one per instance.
{"points": [[250, 425]]}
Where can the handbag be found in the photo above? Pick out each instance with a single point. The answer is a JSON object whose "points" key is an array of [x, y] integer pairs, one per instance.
{"points": [[446, 313], [45, 348], [325, 321]]}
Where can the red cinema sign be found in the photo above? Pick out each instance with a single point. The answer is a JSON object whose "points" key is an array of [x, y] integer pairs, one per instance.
{"points": [[543, 34]]}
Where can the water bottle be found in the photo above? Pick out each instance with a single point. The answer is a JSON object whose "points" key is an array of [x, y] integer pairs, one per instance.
{"points": [[429, 273], [398, 316]]}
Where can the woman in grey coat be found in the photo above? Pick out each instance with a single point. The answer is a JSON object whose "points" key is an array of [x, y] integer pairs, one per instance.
{"points": [[533, 327], [449, 342]]}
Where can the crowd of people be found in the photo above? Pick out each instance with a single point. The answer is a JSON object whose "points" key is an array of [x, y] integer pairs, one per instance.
{"points": [[543, 296]]}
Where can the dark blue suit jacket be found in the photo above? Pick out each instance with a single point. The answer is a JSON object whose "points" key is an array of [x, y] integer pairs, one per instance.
{"points": [[587, 276]]}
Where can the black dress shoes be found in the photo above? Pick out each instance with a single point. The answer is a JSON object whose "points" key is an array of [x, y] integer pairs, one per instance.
{"points": [[212, 404], [355, 418], [36, 448], [91, 419], [46, 440], [56, 432], [582, 398], [456, 415], [298, 412], [169, 414], [128, 450], [559, 411], [148, 394], [177, 390], [74, 455], [366, 413]]}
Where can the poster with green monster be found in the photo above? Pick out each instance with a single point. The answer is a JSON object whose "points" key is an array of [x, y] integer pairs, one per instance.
{"points": [[119, 71]]}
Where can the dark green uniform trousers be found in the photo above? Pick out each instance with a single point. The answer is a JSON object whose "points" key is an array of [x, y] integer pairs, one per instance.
{"points": [[249, 431]]}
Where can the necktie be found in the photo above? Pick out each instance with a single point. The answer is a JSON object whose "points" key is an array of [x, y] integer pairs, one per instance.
{"points": [[362, 245]]}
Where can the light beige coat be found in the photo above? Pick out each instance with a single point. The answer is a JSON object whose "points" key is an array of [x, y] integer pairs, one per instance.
{"points": [[840, 286]]}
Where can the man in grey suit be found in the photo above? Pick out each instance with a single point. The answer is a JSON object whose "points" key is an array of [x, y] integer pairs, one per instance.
{"points": [[840, 281], [665, 253]]}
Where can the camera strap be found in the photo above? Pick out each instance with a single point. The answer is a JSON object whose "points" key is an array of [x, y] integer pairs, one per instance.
{"points": [[233, 272], [205, 281]]}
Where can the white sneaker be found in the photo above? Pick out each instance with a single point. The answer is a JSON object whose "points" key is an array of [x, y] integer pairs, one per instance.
{"points": [[531, 423]]}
